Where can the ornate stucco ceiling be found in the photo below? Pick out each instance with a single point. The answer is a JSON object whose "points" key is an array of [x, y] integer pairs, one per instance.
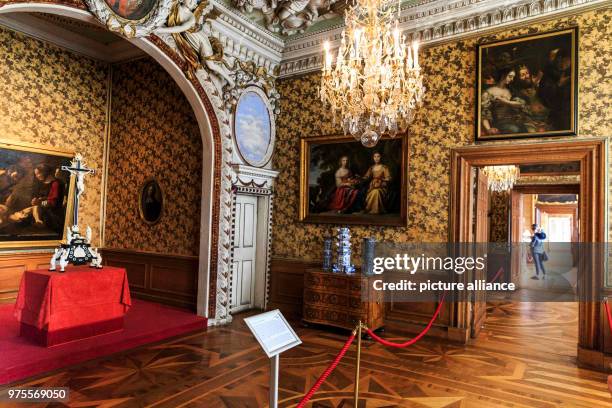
{"points": [[291, 18]]}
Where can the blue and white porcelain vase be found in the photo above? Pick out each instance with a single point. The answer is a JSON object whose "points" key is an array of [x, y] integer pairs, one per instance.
{"points": [[343, 255], [327, 254], [367, 256]]}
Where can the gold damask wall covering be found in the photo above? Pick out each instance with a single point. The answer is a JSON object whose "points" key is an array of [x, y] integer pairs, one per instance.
{"points": [[154, 133], [445, 121], [53, 97], [498, 216]]}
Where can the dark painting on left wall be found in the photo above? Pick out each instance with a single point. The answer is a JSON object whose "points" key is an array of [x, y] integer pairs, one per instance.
{"points": [[35, 195]]}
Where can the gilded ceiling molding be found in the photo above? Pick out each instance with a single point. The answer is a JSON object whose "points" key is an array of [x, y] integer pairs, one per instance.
{"points": [[437, 21]]}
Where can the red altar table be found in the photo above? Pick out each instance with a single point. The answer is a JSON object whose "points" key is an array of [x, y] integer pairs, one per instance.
{"points": [[55, 307]]}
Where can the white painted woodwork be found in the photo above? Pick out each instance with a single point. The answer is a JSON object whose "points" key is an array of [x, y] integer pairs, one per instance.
{"points": [[245, 254]]}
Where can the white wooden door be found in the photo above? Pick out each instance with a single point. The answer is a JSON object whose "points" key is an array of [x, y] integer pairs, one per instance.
{"points": [[243, 268]]}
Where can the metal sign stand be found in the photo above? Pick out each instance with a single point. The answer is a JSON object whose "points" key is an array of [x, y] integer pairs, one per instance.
{"points": [[274, 335], [274, 363]]}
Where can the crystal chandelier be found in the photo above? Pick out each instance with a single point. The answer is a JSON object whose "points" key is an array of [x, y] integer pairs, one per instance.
{"points": [[376, 84], [501, 178]]}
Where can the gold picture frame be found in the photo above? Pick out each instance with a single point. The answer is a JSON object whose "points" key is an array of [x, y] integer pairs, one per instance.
{"points": [[18, 162], [143, 210], [355, 201], [528, 86]]}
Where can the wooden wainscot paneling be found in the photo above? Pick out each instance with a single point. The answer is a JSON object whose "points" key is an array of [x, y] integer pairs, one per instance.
{"points": [[287, 285], [12, 266], [162, 278]]}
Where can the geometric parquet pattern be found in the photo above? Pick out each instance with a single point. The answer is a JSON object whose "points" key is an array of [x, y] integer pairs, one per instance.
{"points": [[525, 357]]}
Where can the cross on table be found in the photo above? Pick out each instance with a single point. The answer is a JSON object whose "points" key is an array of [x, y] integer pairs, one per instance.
{"points": [[78, 169]]}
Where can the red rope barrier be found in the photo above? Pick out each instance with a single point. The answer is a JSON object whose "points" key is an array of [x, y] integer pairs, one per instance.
{"points": [[348, 343], [415, 339], [607, 307], [499, 272], [327, 372], [609, 315]]}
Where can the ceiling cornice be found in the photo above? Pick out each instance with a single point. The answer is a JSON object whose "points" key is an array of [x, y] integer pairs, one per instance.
{"points": [[437, 21], [243, 39]]}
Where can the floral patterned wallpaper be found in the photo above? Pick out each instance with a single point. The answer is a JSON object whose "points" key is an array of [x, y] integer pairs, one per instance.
{"points": [[154, 133], [498, 212], [445, 121], [55, 98]]}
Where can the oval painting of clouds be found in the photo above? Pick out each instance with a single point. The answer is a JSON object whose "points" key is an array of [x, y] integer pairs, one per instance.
{"points": [[253, 129]]}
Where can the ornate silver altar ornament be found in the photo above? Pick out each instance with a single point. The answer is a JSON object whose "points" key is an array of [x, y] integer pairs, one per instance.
{"points": [[77, 250], [343, 255]]}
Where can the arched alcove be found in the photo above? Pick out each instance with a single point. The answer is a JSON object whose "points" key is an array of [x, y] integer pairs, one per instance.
{"points": [[208, 124]]}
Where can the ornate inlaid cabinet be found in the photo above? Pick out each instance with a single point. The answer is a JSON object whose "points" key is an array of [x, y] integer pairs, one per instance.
{"points": [[338, 300]]}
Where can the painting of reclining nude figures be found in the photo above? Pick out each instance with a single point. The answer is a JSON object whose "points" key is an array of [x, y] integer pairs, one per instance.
{"points": [[34, 195], [343, 182], [527, 87]]}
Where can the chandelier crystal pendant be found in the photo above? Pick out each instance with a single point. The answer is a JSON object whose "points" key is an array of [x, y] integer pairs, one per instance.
{"points": [[375, 85], [501, 178]]}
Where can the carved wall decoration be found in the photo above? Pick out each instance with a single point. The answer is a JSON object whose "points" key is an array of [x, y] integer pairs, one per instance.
{"points": [[188, 29], [249, 74], [136, 19]]}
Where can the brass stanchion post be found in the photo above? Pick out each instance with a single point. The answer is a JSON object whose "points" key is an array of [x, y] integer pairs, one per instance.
{"points": [[358, 364]]}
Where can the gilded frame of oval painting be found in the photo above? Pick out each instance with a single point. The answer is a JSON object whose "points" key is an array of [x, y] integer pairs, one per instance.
{"points": [[131, 18]]}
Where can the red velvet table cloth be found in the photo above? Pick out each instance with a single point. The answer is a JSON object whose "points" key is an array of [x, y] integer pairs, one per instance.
{"points": [[55, 307]]}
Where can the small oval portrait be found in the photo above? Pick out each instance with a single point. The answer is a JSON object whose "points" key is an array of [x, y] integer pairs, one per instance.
{"points": [[151, 202], [253, 128], [132, 9]]}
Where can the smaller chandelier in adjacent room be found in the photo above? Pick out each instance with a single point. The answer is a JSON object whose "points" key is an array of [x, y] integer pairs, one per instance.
{"points": [[375, 85], [501, 178]]}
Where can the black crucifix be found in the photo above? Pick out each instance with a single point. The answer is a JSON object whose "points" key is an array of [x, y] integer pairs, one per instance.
{"points": [[79, 170]]}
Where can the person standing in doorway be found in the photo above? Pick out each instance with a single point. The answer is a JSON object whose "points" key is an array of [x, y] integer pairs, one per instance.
{"points": [[537, 250]]}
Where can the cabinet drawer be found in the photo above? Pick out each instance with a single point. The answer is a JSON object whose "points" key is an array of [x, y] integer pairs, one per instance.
{"points": [[333, 300], [332, 317], [326, 281]]}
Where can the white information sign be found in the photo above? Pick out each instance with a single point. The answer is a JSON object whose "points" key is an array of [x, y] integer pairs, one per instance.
{"points": [[272, 332]]}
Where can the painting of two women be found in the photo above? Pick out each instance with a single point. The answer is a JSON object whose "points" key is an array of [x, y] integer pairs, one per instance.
{"points": [[349, 183]]}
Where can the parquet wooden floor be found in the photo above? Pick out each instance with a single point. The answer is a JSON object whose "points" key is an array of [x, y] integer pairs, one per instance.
{"points": [[525, 357]]}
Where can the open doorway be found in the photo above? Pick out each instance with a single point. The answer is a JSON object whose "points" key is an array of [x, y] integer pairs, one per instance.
{"points": [[591, 224], [543, 306]]}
